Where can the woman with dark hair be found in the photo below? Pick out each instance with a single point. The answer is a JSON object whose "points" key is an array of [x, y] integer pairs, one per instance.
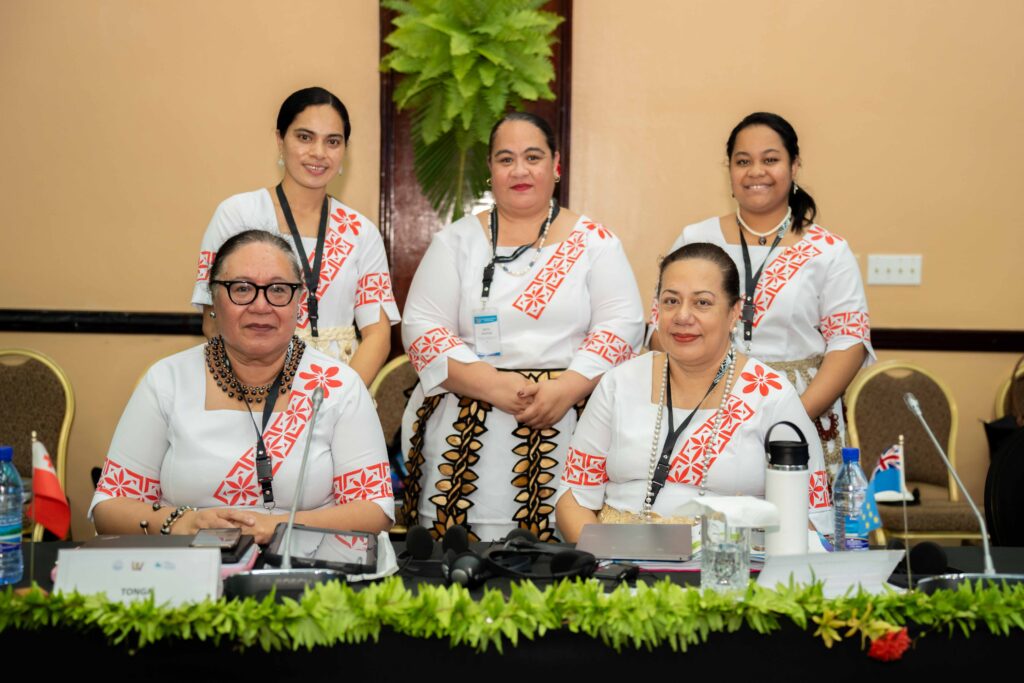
{"points": [[663, 429], [512, 317], [213, 436], [804, 312], [344, 267]]}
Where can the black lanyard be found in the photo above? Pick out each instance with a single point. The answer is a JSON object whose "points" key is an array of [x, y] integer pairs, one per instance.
{"points": [[751, 285], [312, 276], [264, 465], [661, 472], [485, 291]]}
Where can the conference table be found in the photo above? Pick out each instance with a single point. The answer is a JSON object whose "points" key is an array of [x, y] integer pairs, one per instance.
{"points": [[790, 653]]}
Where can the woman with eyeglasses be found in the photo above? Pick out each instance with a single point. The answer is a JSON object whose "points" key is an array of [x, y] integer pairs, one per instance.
{"points": [[341, 253], [213, 436]]}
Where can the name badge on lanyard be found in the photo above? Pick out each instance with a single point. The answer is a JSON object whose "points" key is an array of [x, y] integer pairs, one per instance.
{"points": [[486, 332]]}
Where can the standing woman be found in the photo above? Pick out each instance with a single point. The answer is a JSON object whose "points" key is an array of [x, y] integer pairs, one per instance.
{"points": [[804, 310], [341, 252], [512, 317]]}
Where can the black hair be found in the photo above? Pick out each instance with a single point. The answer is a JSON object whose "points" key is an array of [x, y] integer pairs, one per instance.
{"points": [[236, 242], [707, 252], [802, 203], [297, 102], [540, 123]]}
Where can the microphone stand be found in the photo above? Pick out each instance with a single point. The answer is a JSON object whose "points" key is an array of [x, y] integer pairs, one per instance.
{"points": [[287, 581], [934, 583]]}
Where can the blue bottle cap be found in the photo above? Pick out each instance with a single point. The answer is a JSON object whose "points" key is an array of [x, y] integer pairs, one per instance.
{"points": [[6, 453], [851, 455]]}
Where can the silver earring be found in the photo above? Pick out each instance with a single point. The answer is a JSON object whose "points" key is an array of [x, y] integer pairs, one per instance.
{"points": [[280, 161], [795, 187], [213, 314], [341, 169]]}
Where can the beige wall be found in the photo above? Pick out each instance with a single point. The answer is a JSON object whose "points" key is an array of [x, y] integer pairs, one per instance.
{"points": [[125, 122], [908, 114]]}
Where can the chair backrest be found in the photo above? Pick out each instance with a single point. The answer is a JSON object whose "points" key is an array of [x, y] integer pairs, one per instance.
{"points": [[35, 395], [1010, 398], [877, 415], [391, 390]]}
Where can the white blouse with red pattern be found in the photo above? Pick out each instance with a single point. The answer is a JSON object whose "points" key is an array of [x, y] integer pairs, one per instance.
{"points": [[809, 299], [610, 453], [355, 283], [169, 449], [578, 308]]}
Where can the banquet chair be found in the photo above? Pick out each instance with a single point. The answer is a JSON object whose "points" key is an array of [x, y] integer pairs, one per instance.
{"points": [[1011, 394], [35, 395], [877, 415]]}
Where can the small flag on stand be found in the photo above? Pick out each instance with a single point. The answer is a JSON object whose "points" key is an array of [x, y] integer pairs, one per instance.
{"points": [[889, 478], [868, 519], [49, 505]]}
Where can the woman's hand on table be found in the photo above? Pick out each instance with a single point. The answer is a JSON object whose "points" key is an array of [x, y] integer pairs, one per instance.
{"points": [[253, 523]]}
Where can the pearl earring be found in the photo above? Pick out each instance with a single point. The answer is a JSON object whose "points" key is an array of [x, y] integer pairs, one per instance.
{"points": [[280, 161]]}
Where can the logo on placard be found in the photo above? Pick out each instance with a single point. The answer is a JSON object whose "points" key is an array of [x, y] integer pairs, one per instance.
{"points": [[118, 565], [137, 566]]}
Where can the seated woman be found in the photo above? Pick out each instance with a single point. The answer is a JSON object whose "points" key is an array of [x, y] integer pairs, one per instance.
{"points": [[202, 423], [631, 460]]}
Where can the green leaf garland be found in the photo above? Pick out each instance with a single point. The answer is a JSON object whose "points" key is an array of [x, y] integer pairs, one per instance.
{"points": [[646, 617]]}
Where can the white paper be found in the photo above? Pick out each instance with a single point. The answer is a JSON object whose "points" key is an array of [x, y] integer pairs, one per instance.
{"points": [[870, 569]]}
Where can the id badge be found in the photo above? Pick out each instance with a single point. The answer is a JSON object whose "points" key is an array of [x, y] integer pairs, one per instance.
{"points": [[486, 333]]}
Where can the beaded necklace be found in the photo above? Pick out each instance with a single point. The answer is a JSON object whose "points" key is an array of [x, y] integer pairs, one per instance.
{"points": [[219, 365]]}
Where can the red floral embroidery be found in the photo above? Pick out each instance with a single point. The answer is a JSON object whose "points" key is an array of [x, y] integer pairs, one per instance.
{"points": [[336, 252], [354, 542], [374, 288], [239, 487], [780, 272], [890, 647], [431, 345], [120, 482], [600, 230], [346, 221], [584, 469], [687, 466], [760, 380], [542, 288], [608, 346], [654, 312], [321, 377], [205, 261], [366, 483], [820, 496], [851, 324], [816, 232]]}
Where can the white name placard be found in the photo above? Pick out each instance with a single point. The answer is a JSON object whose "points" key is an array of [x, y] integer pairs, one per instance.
{"points": [[171, 575]]}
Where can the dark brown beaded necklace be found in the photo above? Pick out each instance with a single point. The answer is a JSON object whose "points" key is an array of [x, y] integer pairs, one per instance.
{"points": [[220, 369]]}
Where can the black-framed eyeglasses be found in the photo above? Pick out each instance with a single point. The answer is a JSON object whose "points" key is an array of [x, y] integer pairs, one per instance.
{"points": [[243, 292]]}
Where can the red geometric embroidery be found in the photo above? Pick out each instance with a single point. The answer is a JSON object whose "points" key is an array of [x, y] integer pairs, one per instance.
{"points": [[600, 230], [320, 377], [820, 498], [336, 251], [760, 380], [584, 469], [205, 261], [816, 232], [346, 221], [432, 344], [374, 288], [611, 348], [853, 324], [542, 288], [687, 466], [120, 482], [239, 487], [366, 483], [778, 273]]}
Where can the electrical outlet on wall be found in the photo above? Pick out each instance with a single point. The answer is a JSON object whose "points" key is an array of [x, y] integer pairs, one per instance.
{"points": [[894, 269]]}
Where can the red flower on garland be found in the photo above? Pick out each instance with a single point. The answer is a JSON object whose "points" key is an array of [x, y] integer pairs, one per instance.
{"points": [[890, 647]]}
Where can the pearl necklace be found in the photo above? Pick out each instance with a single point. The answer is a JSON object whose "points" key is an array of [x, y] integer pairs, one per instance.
{"points": [[727, 367], [762, 237], [540, 246]]}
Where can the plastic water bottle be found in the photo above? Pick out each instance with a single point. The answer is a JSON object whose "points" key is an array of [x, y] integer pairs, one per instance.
{"points": [[11, 501], [848, 495]]}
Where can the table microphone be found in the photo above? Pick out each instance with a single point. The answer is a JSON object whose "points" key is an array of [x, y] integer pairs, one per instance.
{"points": [[952, 580], [286, 580]]}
